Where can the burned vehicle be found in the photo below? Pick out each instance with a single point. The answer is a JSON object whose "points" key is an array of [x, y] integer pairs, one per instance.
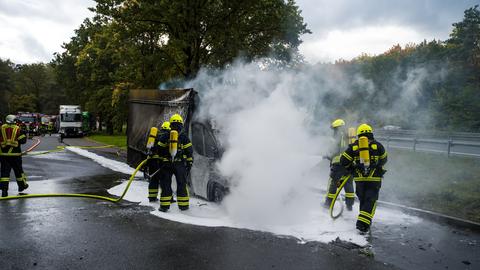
{"points": [[150, 108]]}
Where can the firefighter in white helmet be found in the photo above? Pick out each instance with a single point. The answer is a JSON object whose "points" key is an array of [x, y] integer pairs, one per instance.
{"points": [[11, 139]]}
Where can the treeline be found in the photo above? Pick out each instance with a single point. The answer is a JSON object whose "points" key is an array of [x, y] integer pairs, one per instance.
{"points": [[431, 85], [29, 87]]}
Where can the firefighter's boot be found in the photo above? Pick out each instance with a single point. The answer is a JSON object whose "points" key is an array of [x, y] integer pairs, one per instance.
{"points": [[327, 203], [4, 192], [22, 187], [362, 227], [349, 203]]}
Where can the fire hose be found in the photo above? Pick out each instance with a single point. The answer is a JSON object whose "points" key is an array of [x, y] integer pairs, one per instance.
{"points": [[90, 196], [332, 204]]}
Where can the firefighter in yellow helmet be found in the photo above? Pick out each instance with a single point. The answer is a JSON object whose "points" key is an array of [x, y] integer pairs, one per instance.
{"points": [[175, 151], [365, 158], [337, 172], [155, 165], [11, 138]]}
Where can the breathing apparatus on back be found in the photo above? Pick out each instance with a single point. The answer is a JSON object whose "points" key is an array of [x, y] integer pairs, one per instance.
{"points": [[151, 138], [176, 125], [351, 135], [364, 133]]}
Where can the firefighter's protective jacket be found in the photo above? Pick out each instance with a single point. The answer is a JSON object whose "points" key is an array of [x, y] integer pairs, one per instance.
{"points": [[11, 137], [185, 151], [378, 157], [340, 145]]}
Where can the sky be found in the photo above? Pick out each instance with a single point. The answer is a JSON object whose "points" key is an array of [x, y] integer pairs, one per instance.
{"points": [[32, 30]]}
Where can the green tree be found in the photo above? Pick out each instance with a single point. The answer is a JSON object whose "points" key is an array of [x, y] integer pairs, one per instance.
{"points": [[189, 34], [465, 37], [6, 85]]}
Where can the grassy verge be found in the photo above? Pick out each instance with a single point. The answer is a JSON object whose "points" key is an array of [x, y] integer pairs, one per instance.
{"points": [[434, 182], [117, 140]]}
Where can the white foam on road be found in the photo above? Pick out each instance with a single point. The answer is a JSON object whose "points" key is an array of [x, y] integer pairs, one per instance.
{"points": [[313, 224], [105, 162]]}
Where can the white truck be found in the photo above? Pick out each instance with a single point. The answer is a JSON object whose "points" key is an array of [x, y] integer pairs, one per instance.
{"points": [[70, 124]]}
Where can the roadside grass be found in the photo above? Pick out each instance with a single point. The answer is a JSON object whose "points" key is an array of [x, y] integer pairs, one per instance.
{"points": [[449, 185], [117, 140]]}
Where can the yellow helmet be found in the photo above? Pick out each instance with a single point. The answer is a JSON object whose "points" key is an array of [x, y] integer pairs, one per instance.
{"points": [[363, 129], [176, 118], [338, 123], [166, 125]]}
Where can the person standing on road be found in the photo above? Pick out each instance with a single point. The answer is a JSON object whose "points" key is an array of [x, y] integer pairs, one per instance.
{"points": [[365, 158], [50, 128], [337, 172], [11, 138], [175, 151], [155, 164]]}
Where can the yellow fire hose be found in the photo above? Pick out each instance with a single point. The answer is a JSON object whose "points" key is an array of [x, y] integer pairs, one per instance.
{"points": [[91, 196], [332, 204]]}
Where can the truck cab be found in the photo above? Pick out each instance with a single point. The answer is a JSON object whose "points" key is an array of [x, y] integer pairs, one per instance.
{"points": [[70, 121], [150, 108]]}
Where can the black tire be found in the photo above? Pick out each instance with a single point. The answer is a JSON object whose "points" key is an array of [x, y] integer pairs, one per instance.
{"points": [[218, 192]]}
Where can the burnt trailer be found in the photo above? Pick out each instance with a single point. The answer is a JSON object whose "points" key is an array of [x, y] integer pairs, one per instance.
{"points": [[150, 108]]}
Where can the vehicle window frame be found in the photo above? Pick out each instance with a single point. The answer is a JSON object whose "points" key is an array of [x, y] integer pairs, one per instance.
{"points": [[198, 127]]}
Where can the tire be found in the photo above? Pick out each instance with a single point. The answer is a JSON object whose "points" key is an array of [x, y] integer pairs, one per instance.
{"points": [[218, 192]]}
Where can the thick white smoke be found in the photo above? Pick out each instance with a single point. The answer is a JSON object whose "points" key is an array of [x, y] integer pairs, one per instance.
{"points": [[274, 126], [264, 117]]}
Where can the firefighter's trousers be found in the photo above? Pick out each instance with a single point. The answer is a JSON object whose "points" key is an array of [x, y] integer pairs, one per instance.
{"points": [[367, 193], [153, 166], [178, 169], [338, 174], [7, 164]]}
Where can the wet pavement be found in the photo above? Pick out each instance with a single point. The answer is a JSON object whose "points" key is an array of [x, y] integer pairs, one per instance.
{"points": [[74, 233]]}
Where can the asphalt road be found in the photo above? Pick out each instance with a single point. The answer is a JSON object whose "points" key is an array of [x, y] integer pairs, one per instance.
{"points": [[71, 233]]}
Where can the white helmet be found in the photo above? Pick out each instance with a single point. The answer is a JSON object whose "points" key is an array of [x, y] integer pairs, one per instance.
{"points": [[10, 119]]}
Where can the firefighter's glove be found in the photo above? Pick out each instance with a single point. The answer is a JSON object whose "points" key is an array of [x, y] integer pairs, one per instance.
{"points": [[189, 166], [381, 171], [338, 183]]}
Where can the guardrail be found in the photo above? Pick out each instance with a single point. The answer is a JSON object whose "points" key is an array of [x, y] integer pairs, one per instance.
{"points": [[450, 143]]}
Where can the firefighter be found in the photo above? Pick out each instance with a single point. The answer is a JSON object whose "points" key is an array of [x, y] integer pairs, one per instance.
{"points": [[175, 151], [11, 138], [337, 172], [50, 128], [154, 165], [365, 158]]}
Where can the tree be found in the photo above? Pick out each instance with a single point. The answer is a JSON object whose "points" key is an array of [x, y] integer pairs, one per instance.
{"points": [[465, 37], [6, 84], [189, 34]]}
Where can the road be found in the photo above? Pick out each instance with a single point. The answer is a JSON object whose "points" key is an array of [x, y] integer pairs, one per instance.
{"points": [[66, 233]]}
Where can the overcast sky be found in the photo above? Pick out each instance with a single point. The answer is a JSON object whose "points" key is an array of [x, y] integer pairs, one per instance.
{"points": [[32, 30]]}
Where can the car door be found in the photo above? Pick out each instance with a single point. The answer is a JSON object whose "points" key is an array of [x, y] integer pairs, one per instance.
{"points": [[199, 174]]}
